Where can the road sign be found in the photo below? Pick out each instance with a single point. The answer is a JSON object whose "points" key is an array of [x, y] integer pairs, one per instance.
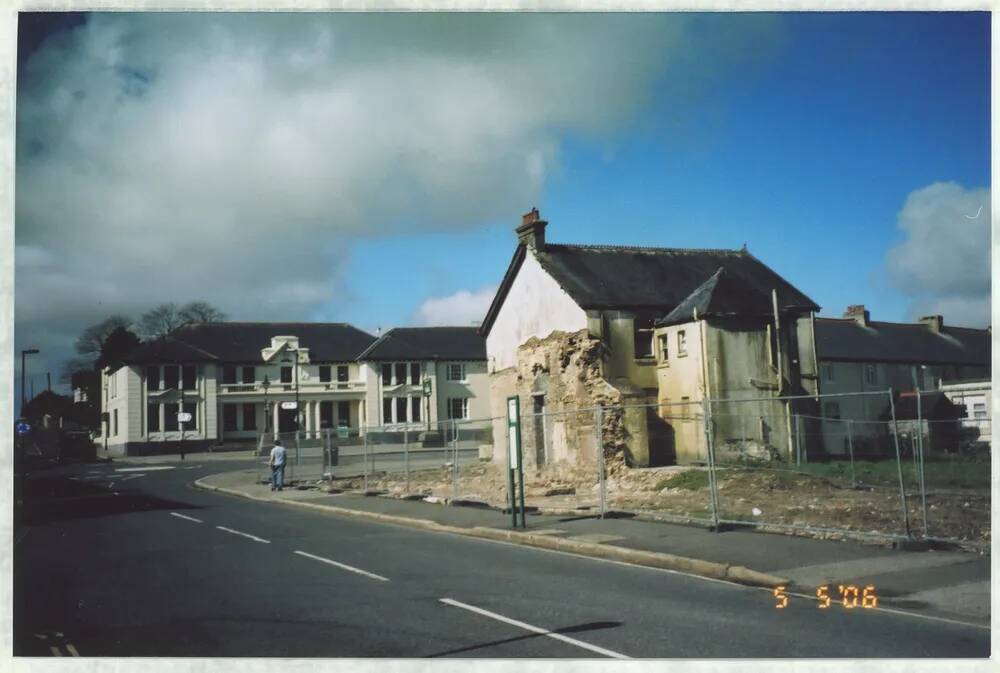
{"points": [[289, 405], [183, 417], [427, 388], [513, 434], [22, 427]]}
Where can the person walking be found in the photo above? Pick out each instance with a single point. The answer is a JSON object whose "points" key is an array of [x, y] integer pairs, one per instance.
{"points": [[277, 465]]}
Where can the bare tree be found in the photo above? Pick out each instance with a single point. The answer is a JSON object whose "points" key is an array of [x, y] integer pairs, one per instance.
{"points": [[159, 321], [88, 344], [200, 311]]}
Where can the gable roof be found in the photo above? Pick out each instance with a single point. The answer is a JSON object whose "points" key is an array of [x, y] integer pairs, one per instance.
{"points": [[718, 296], [428, 343], [243, 341], [846, 339], [651, 279]]}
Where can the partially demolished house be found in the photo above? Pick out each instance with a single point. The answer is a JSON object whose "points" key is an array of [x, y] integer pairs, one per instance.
{"points": [[574, 326]]}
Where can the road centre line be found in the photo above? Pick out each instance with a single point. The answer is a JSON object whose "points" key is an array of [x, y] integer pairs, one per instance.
{"points": [[342, 565], [151, 468], [236, 532], [189, 518], [535, 629]]}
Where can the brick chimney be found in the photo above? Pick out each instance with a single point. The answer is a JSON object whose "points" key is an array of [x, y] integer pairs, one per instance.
{"points": [[532, 230], [858, 314], [934, 322]]}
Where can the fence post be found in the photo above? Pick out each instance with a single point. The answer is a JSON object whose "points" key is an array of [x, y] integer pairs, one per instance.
{"points": [[364, 456], [406, 456], [454, 462], [798, 440], [599, 434], [850, 449], [706, 416], [920, 467], [899, 464]]}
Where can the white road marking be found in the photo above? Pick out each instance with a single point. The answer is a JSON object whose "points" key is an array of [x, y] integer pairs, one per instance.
{"points": [[535, 629], [41, 636], [342, 565], [133, 476], [72, 650], [59, 634], [189, 518], [193, 467], [55, 651], [151, 468], [236, 532]]}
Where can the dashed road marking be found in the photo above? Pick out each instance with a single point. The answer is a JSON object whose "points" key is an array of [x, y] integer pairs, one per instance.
{"points": [[343, 565], [188, 518], [151, 468], [535, 629], [236, 532]]}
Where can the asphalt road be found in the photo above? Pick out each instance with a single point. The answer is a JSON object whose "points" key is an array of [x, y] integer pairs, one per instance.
{"points": [[140, 563]]}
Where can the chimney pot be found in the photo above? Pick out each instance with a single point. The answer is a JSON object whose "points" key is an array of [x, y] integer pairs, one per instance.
{"points": [[934, 322], [532, 230], [858, 313]]}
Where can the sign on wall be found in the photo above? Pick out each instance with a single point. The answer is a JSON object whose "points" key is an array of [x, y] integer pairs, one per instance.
{"points": [[183, 417], [289, 405]]}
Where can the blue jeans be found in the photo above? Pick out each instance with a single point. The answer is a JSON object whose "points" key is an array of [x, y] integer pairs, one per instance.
{"points": [[277, 477]]}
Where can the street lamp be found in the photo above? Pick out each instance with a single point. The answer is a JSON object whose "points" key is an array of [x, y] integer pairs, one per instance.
{"points": [[27, 351], [265, 384]]}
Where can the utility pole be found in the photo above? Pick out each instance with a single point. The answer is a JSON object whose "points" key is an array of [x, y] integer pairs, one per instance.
{"points": [[48, 377]]}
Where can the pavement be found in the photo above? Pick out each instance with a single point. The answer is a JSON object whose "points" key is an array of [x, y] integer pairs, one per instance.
{"points": [[124, 559], [950, 584]]}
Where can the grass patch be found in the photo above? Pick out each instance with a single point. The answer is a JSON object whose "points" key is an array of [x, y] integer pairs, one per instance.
{"points": [[688, 480], [937, 473]]}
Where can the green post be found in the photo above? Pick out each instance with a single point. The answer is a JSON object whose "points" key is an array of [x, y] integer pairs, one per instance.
{"points": [[514, 459]]}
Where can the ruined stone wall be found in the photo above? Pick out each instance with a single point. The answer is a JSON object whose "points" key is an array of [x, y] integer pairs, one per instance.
{"points": [[566, 368]]}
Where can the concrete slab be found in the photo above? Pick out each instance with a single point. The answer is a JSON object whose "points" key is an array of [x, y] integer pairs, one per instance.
{"points": [[597, 538], [865, 567]]}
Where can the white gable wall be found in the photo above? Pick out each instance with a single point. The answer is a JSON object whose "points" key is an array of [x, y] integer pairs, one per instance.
{"points": [[535, 306]]}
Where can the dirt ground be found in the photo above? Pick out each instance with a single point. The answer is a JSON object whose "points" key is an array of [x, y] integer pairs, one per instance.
{"points": [[758, 496]]}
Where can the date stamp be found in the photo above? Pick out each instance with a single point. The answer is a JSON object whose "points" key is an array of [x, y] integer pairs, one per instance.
{"points": [[847, 596]]}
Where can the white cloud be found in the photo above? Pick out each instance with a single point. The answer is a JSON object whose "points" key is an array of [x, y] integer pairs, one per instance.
{"points": [[170, 156], [462, 308], [943, 264]]}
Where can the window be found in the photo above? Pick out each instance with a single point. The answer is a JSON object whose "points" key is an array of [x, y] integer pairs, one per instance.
{"points": [[831, 410], [681, 344], [326, 414], [344, 414], [324, 373], [189, 377], [642, 337], [152, 418], [664, 348], [229, 417], [249, 375], [458, 407], [386, 410], [401, 409], [455, 371], [979, 410], [828, 374], [415, 373], [152, 377], [400, 373], [415, 408], [386, 374], [286, 374], [170, 417], [342, 373], [228, 374], [871, 375], [170, 377], [115, 417], [249, 416], [191, 408]]}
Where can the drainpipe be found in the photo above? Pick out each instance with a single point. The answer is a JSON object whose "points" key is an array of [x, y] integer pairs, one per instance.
{"points": [[780, 363]]}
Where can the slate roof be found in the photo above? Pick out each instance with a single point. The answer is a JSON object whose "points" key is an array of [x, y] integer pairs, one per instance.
{"points": [[428, 343], [651, 279], [720, 295], [845, 339], [243, 342]]}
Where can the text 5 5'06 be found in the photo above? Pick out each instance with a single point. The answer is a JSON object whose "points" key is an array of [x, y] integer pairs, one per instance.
{"points": [[846, 595]]}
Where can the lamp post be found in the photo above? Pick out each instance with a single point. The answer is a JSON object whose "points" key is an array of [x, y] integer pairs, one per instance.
{"points": [[265, 384], [25, 352]]}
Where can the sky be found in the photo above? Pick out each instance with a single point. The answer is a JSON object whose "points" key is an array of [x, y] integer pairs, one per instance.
{"points": [[371, 168]]}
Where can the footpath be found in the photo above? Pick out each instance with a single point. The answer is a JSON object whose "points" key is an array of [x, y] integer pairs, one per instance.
{"points": [[942, 584]]}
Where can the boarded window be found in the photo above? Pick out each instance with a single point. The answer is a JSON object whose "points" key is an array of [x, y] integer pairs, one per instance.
{"points": [[229, 374]]}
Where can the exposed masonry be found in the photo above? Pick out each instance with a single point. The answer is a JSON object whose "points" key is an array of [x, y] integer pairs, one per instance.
{"points": [[566, 368]]}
